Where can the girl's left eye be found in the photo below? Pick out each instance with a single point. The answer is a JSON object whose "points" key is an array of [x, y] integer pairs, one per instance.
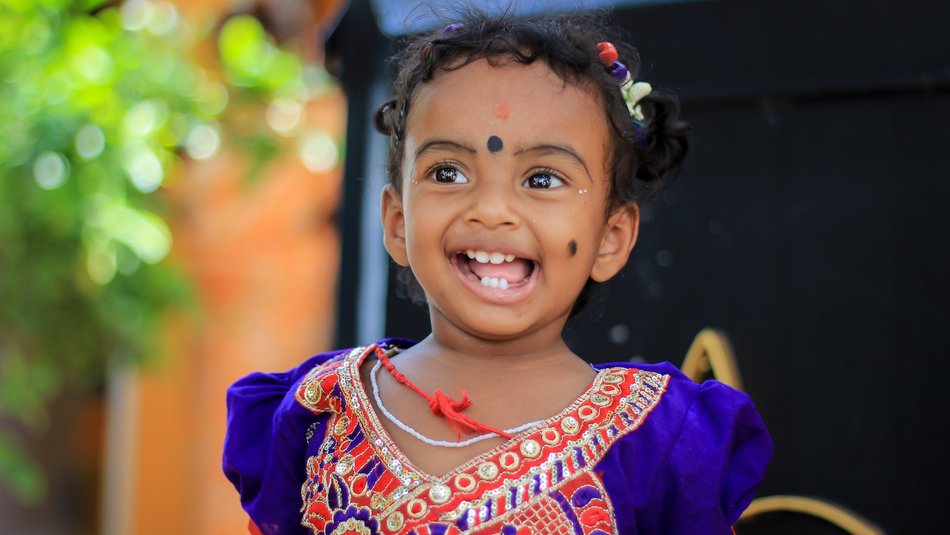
{"points": [[448, 175], [543, 180]]}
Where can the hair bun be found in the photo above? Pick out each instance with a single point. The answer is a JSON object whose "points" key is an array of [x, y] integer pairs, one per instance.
{"points": [[385, 118], [666, 138]]}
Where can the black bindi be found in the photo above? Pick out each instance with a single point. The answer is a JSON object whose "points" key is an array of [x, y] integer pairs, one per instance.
{"points": [[572, 247], [495, 144]]}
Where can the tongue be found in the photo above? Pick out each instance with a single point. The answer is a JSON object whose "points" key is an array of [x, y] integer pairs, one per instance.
{"points": [[514, 271]]}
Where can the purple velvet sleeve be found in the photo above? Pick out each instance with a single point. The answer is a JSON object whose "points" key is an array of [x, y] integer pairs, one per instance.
{"points": [[693, 466], [265, 447]]}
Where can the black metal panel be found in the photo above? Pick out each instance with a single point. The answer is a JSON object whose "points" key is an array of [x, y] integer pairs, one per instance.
{"points": [[734, 49], [811, 232], [359, 51]]}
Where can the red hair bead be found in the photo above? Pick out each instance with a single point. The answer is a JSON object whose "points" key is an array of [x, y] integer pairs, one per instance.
{"points": [[608, 53]]}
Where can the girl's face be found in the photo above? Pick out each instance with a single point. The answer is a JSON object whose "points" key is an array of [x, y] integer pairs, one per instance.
{"points": [[502, 210]]}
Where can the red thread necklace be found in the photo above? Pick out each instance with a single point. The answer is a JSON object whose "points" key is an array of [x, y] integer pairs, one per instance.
{"points": [[443, 405]]}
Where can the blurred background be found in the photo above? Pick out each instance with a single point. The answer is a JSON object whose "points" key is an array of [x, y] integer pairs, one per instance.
{"points": [[189, 192]]}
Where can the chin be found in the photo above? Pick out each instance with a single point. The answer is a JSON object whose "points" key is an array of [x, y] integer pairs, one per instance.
{"points": [[493, 325]]}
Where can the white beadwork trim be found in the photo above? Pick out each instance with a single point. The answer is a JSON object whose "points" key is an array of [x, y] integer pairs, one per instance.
{"points": [[432, 442]]}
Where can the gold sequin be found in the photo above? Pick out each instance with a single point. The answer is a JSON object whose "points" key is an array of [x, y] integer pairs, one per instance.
{"points": [[395, 521], [610, 390], [440, 494], [509, 460], [340, 426], [611, 378], [465, 482], [354, 526], [343, 466], [378, 501], [570, 425], [312, 393], [600, 400], [488, 471], [530, 448], [416, 508], [550, 436]]}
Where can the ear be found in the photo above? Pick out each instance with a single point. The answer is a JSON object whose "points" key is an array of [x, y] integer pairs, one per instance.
{"points": [[394, 225], [620, 234]]}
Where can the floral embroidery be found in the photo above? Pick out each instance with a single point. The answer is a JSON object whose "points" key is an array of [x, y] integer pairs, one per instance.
{"points": [[358, 481]]}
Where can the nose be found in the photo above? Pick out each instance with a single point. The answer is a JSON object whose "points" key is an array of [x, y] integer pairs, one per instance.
{"points": [[492, 205]]}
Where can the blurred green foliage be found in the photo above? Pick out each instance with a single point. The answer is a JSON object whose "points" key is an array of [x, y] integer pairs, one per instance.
{"points": [[98, 105]]}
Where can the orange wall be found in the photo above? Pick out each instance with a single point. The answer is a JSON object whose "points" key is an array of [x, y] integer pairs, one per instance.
{"points": [[263, 257]]}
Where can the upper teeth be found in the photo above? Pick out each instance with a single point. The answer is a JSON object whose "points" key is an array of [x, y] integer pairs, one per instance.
{"points": [[484, 257]]}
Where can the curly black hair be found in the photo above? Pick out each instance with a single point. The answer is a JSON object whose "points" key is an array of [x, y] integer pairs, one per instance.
{"points": [[640, 154]]}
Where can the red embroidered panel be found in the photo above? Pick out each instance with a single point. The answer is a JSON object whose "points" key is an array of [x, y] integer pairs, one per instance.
{"points": [[541, 481]]}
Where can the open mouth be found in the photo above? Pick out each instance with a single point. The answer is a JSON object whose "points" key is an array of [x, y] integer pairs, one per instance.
{"points": [[494, 269]]}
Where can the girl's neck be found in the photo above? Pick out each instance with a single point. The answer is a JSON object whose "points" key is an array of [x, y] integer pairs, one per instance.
{"points": [[464, 351]]}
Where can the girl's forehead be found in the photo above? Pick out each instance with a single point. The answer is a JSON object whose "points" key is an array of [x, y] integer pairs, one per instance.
{"points": [[508, 99]]}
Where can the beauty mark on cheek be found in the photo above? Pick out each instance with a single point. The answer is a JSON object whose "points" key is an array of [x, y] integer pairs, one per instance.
{"points": [[572, 247], [495, 144], [500, 111]]}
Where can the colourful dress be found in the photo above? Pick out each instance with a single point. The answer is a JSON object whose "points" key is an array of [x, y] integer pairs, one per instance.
{"points": [[643, 451]]}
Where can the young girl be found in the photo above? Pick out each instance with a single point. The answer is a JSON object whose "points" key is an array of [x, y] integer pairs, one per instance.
{"points": [[518, 154]]}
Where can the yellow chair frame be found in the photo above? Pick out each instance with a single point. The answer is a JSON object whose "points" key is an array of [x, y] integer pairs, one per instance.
{"points": [[712, 354]]}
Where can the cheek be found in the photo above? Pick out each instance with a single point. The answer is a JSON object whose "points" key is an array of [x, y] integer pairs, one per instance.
{"points": [[572, 247], [427, 220]]}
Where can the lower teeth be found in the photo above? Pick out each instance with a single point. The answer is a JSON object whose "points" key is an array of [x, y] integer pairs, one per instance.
{"points": [[495, 282]]}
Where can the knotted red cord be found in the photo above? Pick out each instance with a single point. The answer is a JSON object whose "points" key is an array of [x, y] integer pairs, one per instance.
{"points": [[443, 405]]}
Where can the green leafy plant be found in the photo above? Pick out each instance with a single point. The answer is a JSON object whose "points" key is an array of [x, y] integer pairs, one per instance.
{"points": [[98, 104]]}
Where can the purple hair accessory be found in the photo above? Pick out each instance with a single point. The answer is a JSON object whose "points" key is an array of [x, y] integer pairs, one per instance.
{"points": [[618, 70], [641, 134], [452, 28]]}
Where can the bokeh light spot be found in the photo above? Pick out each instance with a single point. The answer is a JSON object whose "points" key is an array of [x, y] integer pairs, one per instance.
{"points": [[94, 64], [143, 118], [144, 169], [164, 18], [213, 99], [90, 141], [318, 152], [101, 264], [50, 170], [203, 142], [136, 14], [284, 114]]}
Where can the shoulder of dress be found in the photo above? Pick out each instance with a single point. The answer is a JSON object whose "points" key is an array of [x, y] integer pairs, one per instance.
{"points": [[319, 390], [633, 393], [620, 400]]}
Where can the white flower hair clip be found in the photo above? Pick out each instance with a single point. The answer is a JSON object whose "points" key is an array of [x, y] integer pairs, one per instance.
{"points": [[633, 92]]}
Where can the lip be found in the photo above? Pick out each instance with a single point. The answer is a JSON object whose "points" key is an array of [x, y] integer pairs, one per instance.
{"points": [[508, 296]]}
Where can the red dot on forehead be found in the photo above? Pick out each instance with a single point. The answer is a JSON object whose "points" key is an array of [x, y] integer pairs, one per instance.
{"points": [[500, 110]]}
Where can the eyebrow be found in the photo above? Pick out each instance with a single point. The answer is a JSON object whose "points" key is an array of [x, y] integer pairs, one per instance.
{"points": [[557, 149], [443, 144]]}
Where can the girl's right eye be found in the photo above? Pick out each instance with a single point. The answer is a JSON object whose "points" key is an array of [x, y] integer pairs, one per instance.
{"points": [[448, 175]]}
